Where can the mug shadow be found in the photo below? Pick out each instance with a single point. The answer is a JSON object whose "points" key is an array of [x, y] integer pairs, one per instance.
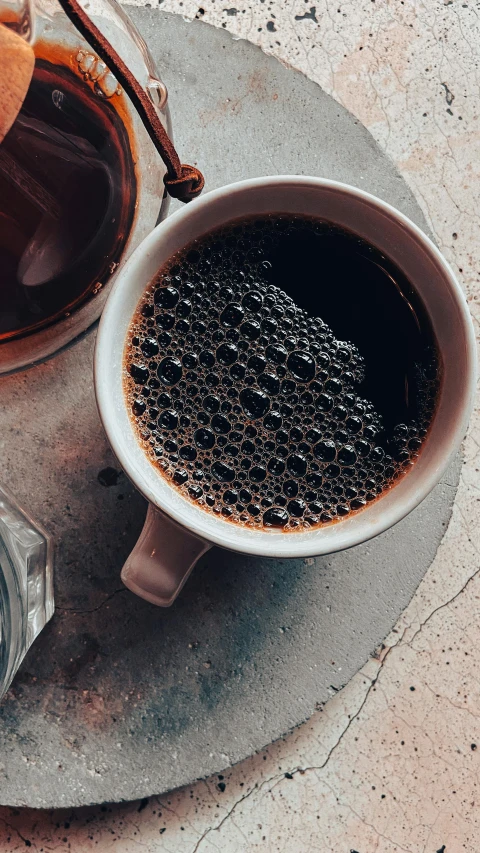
{"points": [[108, 640]]}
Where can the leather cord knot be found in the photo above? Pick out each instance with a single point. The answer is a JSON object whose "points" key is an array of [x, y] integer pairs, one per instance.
{"points": [[187, 186], [181, 181]]}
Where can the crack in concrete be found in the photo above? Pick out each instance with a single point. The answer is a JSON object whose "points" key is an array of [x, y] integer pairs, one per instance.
{"points": [[168, 808], [437, 610], [450, 702], [277, 779], [76, 612], [365, 822], [13, 829], [227, 815]]}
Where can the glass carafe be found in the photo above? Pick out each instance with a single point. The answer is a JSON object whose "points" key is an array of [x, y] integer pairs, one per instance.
{"points": [[81, 183]]}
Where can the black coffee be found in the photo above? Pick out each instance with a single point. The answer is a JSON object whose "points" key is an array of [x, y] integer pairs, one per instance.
{"points": [[67, 200], [281, 372]]}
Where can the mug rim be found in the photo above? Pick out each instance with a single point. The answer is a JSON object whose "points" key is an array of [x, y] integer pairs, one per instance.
{"points": [[272, 542]]}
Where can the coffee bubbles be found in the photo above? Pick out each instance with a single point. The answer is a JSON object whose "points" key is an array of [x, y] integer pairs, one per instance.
{"points": [[249, 405]]}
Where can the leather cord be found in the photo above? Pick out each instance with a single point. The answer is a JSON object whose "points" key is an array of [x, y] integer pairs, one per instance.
{"points": [[181, 181]]}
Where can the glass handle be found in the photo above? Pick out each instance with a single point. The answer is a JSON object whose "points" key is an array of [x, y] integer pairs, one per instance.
{"points": [[181, 180]]}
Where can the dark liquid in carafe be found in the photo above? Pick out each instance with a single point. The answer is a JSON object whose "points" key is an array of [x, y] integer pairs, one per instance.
{"points": [[281, 372], [67, 200]]}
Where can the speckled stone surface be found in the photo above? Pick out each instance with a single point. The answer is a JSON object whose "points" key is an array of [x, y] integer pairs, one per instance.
{"points": [[119, 699], [391, 762]]}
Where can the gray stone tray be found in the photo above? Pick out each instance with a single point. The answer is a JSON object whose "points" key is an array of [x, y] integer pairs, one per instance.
{"points": [[118, 699]]}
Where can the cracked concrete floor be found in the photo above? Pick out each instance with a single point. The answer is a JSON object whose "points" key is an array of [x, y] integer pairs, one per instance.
{"points": [[391, 762]]}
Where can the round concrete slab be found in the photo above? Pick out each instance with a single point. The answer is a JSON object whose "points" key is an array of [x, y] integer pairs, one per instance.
{"points": [[118, 699]]}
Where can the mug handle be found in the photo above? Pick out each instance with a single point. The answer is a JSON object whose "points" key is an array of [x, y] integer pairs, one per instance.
{"points": [[162, 559]]}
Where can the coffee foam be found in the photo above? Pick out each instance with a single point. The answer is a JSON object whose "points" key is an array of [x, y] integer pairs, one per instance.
{"points": [[247, 404]]}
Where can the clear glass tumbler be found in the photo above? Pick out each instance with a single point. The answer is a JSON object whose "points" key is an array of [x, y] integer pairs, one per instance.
{"points": [[26, 585]]}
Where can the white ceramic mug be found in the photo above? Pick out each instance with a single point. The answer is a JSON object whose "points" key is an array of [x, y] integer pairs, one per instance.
{"points": [[177, 532]]}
